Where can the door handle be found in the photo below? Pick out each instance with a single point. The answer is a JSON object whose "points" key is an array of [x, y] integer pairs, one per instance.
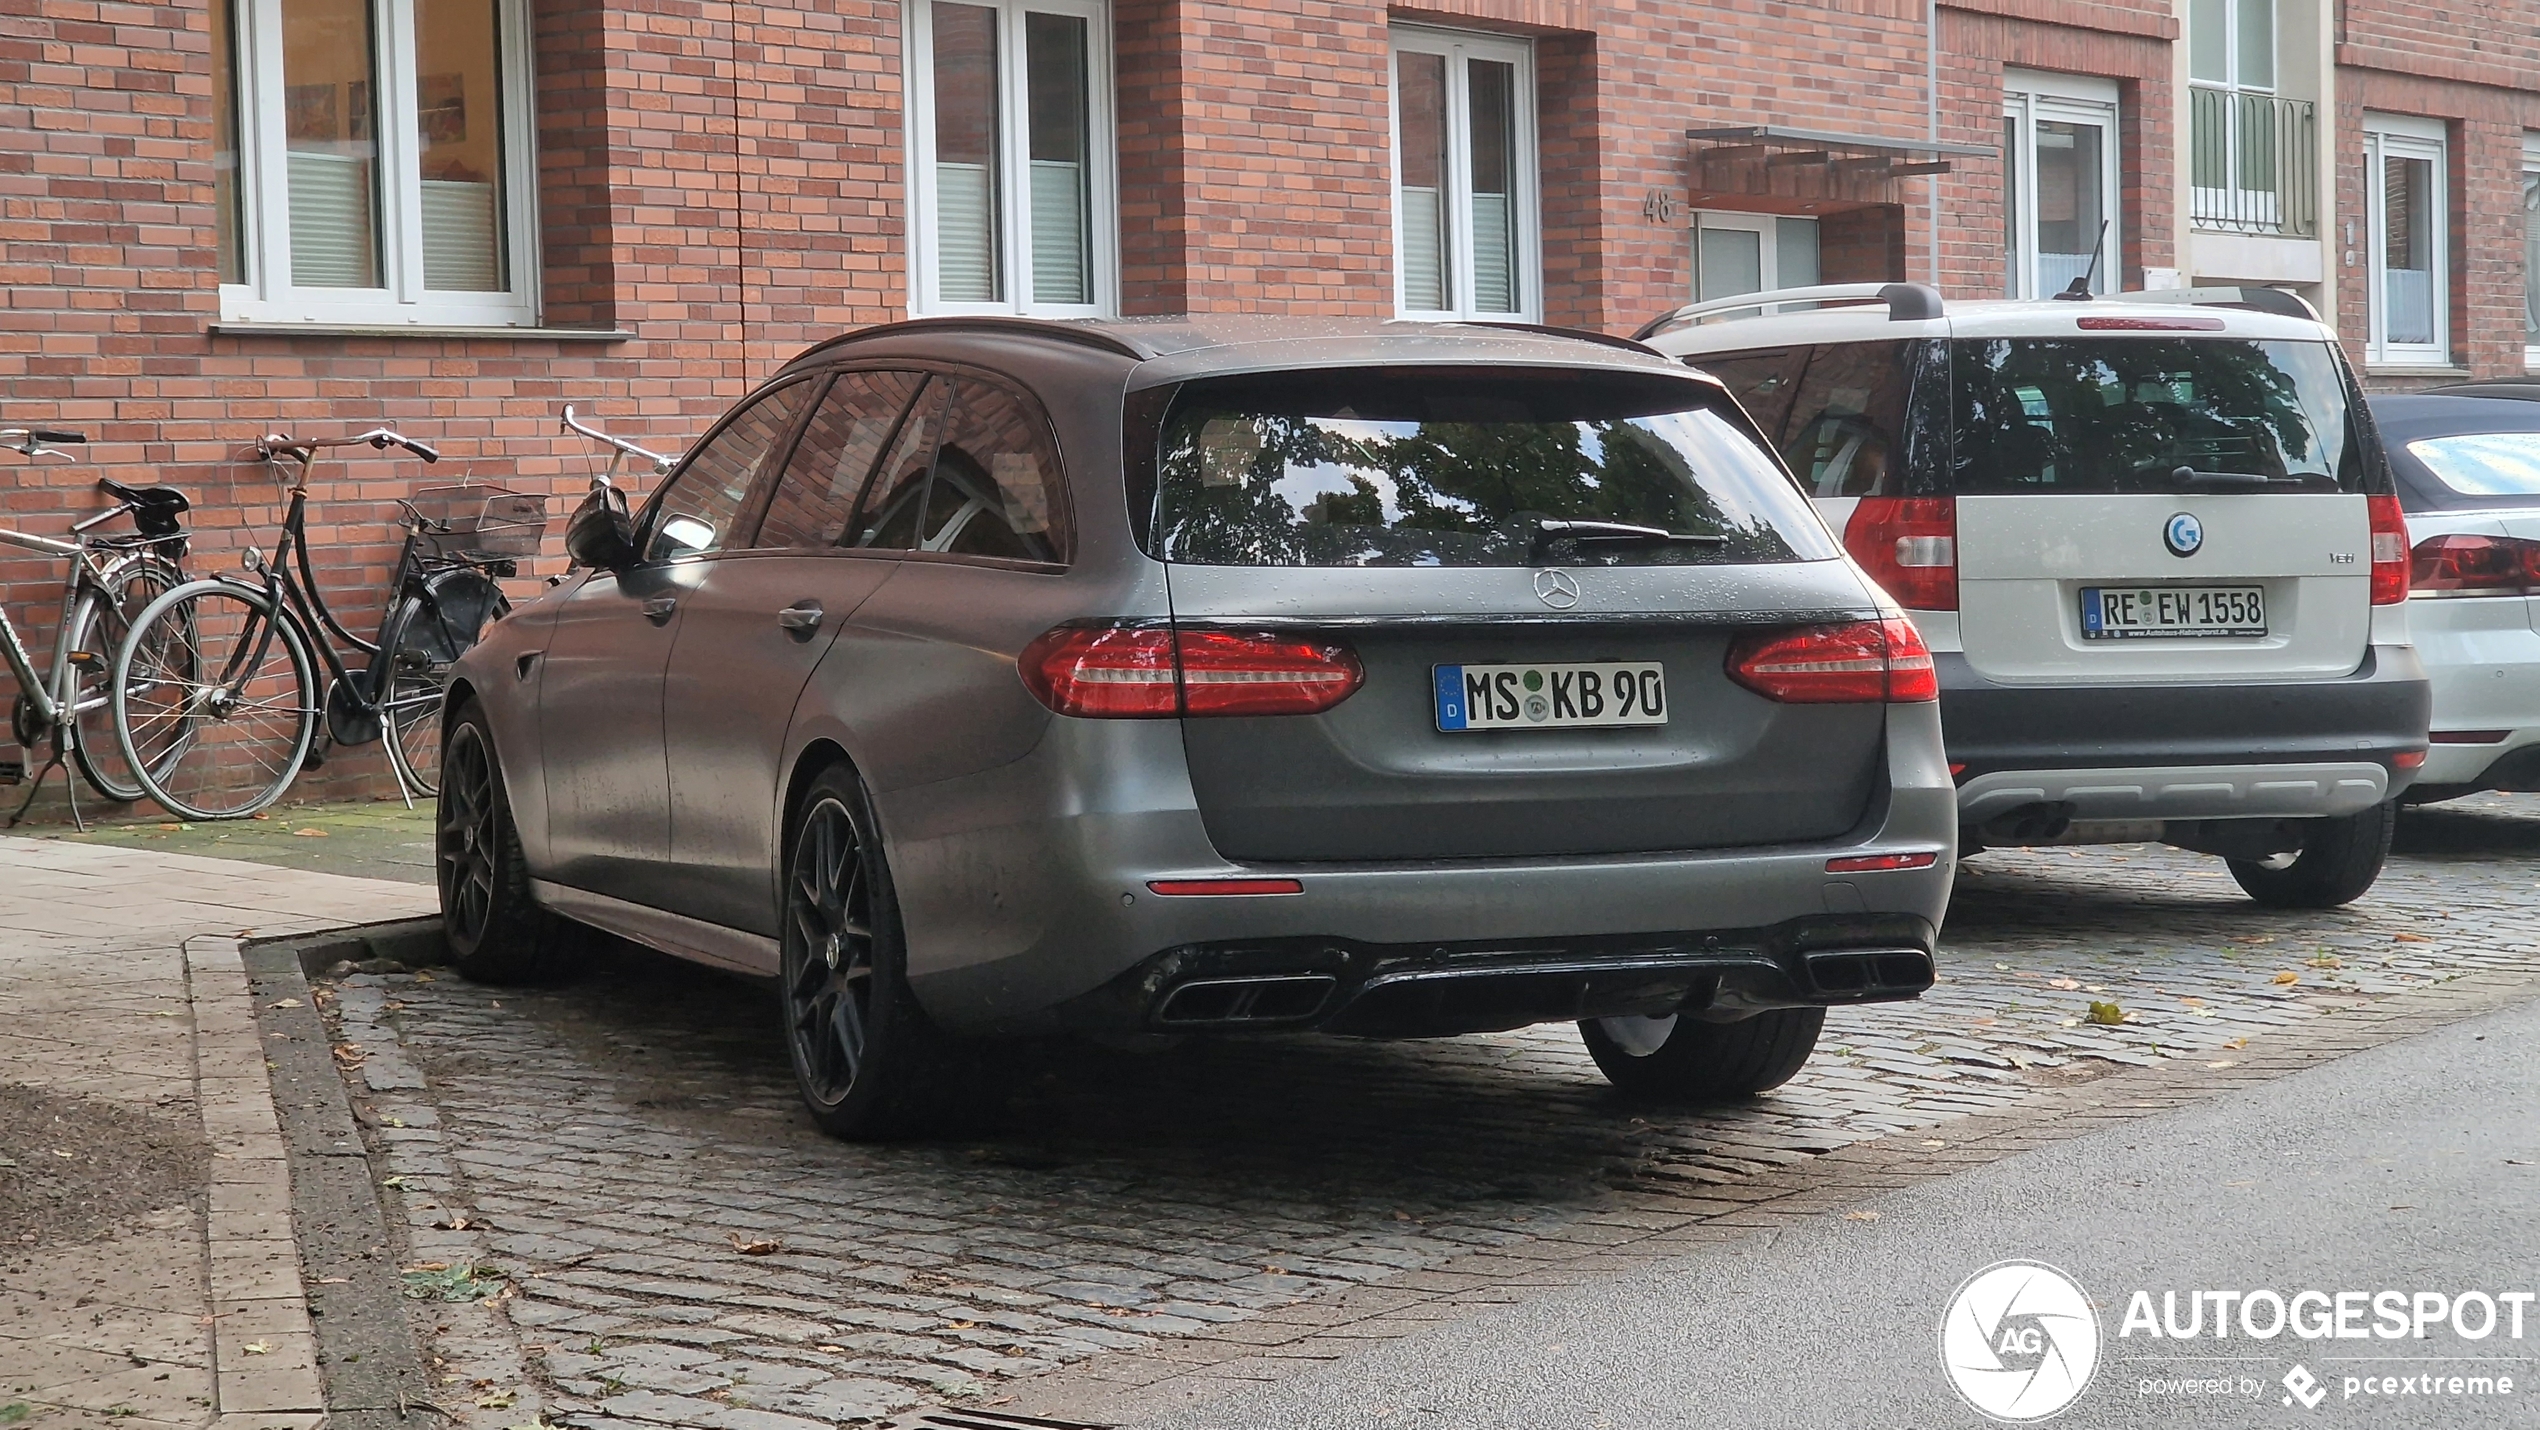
{"points": [[801, 619], [658, 610]]}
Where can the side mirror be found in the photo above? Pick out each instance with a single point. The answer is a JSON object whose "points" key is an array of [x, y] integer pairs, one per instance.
{"points": [[601, 535]]}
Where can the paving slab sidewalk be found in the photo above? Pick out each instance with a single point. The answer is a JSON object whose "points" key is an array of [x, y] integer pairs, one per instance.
{"points": [[121, 987]]}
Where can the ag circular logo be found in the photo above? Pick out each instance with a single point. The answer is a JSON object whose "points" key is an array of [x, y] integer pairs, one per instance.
{"points": [[2183, 534], [2019, 1341], [1557, 589]]}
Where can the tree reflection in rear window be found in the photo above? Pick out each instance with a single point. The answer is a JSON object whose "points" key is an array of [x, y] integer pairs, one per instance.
{"points": [[2484, 464], [1414, 468], [2110, 415]]}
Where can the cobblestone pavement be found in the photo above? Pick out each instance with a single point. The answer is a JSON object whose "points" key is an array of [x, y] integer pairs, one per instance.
{"points": [[682, 1247]]}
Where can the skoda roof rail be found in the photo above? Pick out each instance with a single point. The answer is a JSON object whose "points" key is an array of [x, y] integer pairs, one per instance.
{"points": [[1906, 302]]}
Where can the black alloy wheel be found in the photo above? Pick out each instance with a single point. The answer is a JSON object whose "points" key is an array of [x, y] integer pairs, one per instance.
{"points": [[865, 1058], [495, 931], [467, 838]]}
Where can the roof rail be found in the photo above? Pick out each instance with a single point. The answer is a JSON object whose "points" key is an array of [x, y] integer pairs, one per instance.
{"points": [[2279, 301], [1906, 302]]}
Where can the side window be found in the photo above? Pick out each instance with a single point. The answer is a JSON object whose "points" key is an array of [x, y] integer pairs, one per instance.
{"points": [[816, 496], [997, 485], [1761, 382], [896, 497], [705, 501], [1843, 436]]}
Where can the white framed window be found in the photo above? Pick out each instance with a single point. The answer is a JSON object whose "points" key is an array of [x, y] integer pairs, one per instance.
{"points": [[1466, 237], [2059, 168], [1751, 253], [1012, 156], [2408, 300], [374, 163], [2531, 252], [2241, 139]]}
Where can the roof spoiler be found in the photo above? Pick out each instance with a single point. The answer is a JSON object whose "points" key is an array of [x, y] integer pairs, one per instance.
{"points": [[1906, 303], [2281, 302]]}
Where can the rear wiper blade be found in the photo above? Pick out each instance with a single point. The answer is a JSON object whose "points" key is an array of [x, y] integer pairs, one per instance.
{"points": [[1550, 529], [2190, 477]]}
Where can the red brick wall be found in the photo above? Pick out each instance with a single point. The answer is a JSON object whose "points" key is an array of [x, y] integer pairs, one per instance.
{"points": [[2484, 127], [2128, 44]]}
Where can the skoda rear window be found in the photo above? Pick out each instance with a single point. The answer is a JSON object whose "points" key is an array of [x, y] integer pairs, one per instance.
{"points": [[1418, 467], [2115, 415]]}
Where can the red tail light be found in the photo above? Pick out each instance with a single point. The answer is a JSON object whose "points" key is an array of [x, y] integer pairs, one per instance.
{"points": [[1909, 545], [2389, 551], [2463, 565], [1848, 664], [1151, 673]]}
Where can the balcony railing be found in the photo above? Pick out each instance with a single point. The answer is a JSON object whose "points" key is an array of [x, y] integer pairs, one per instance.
{"points": [[2254, 163]]}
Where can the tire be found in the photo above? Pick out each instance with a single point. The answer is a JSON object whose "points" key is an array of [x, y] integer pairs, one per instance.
{"points": [[225, 739], [424, 637], [495, 931], [103, 620], [869, 1064], [1679, 1059], [2339, 860]]}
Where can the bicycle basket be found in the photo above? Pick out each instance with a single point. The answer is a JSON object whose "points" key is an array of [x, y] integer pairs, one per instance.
{"points": [[478, 521]]}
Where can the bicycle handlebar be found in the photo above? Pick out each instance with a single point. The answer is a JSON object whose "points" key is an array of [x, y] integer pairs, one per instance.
{"points": [[661, 464], [39, 441], [378, 438]]}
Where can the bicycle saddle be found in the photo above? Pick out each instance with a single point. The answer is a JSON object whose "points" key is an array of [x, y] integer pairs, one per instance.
{"points": [[154, 509]]}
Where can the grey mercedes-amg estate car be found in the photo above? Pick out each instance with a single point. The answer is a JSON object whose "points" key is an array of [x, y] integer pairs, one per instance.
{"points": [[990, 676]]}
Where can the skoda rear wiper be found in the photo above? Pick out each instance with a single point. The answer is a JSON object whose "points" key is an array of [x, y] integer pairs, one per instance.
{"points": [[1613, 533]]}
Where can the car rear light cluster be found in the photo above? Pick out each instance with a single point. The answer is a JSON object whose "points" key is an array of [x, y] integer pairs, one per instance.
{"points": [[1909, 545], [2389, 550], [2466, 565], [1155, 673], [1847, 664]]}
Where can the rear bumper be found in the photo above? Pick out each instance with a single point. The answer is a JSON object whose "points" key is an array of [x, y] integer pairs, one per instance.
{"points": [[1040, 923], [2288, 749], [1437, 990]]}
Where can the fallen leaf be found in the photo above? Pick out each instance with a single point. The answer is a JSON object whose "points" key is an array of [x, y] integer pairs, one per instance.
{"points": [[2410, 938], [1986, 1022], [964, 1325], [833, 1350], [1861, 1216], [257, 1348], [334, 1280], [171, 828], [2067, 984], [2191, 1001], [2224, 1063], [285, 1003], [309, 833], [2288, 976], [1934, 1142], [2107, 1015], [494, 1400], [2237, 1043], [754, 1246], [260, 815]]}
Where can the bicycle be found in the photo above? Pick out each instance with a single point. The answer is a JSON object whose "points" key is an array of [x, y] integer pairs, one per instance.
{"points": [[257, 645], [111, 578]]}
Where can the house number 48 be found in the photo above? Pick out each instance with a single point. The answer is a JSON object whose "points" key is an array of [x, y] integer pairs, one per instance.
{"points": [[1659, 207]]}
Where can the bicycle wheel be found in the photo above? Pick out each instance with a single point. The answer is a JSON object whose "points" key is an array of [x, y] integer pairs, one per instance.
{"points": [[100, 623], [216, 662], [422, 640]]}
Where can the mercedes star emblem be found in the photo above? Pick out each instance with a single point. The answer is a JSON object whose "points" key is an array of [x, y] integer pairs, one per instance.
{"points": [[1556, 589]]}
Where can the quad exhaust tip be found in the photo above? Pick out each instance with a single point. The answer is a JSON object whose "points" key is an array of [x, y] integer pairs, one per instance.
{"points": [[1869, 972], [1273, 998]]}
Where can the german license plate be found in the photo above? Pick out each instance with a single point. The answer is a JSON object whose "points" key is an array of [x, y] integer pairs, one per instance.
{"points": [[2112, 613], [1551, 697]]}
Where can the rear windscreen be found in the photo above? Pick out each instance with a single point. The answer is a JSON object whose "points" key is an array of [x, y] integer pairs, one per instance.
{"points": [[2110, 415], [2483, 464], [1399, 467]]}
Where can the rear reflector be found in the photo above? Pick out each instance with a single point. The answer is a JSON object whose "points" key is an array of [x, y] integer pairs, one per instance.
{"points": [[1871, 863], [2470, 737], [1820, 665], [1909, 545], [2408, 760], [1218, 888], [2149, 325], [2389, 550], [1152, 673], [2465, 565]]}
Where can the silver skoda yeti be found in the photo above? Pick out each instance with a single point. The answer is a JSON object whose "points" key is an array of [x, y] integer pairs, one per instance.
{"points": [[2151, 540]]}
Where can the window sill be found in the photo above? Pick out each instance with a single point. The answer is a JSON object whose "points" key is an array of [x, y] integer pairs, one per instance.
{"points": [[484, 333]]}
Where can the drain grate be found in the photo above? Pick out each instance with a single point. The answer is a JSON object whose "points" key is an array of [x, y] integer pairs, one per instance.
{"points": [[941, 1419]]}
